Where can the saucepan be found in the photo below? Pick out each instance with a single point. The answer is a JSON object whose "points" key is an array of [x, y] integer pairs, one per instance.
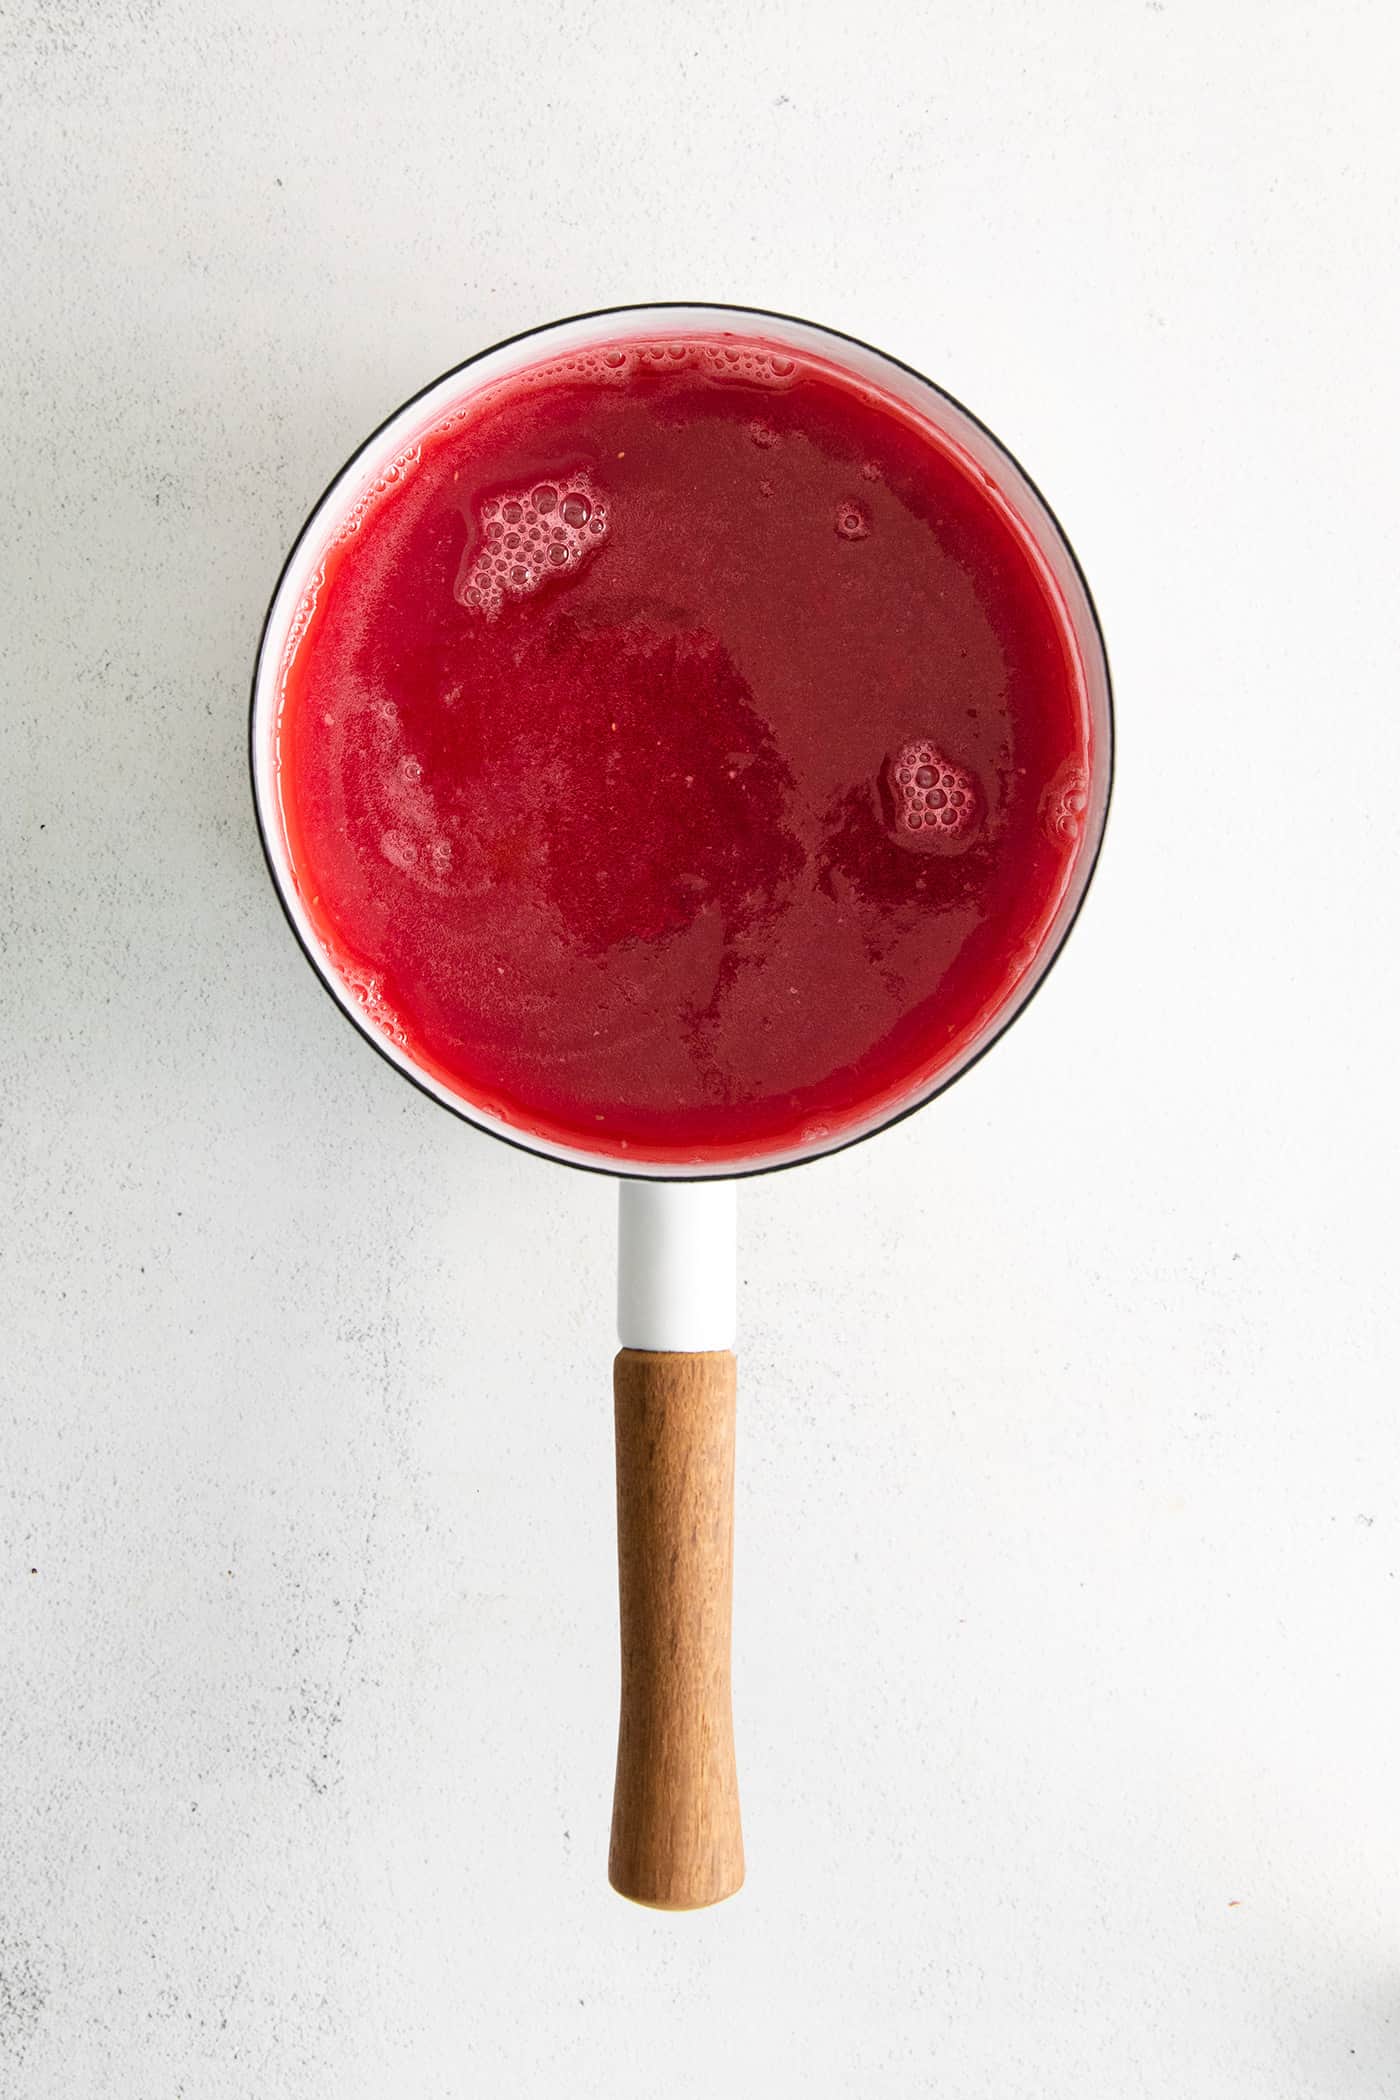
{"points": [[676, 1835]]}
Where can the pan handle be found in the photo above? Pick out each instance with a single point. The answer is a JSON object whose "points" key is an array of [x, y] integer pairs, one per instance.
{"points": [[676, 1837]]}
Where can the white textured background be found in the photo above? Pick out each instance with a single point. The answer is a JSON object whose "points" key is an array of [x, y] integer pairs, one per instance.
{"points": [[1069, 1536]]}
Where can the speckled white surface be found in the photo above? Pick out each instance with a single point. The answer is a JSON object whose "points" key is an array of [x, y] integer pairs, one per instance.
{"points": [[1069, 1553]]}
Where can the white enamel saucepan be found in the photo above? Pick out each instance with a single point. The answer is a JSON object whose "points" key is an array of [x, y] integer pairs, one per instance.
{"points": [[676, 1840]]}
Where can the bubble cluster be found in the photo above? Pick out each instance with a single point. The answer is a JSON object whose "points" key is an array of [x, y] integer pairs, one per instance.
{"points": [[399, 848], [398, 470], [718, 357], [935, 802], [301, 621], [367, 993], [1065, 804], [527, 536], [852, 520], [401, 799]]}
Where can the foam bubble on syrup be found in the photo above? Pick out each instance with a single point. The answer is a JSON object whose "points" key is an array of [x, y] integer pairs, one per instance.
{"points": [[525, 537], [1065, 804], [933, 801], [852, 520], [398, 470], [400, 848], [368, 994], [716, 357]]}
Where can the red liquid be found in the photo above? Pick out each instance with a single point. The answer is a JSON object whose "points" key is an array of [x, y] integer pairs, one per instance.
{"points": [[734, 806]]}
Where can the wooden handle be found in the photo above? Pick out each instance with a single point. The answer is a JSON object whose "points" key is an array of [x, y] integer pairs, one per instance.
{"points": [[676, 1841]]}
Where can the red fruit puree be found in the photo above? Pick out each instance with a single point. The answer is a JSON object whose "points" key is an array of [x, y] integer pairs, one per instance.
{"points": [[684, 755]]}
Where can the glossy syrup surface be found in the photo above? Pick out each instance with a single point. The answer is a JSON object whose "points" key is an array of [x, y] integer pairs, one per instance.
{"points": [[685, 756]]}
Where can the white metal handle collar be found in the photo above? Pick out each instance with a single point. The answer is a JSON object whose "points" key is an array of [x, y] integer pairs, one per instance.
{"points": [[677, 1264]]}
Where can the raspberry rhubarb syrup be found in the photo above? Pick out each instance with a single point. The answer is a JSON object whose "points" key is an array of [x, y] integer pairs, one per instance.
{"points": [[686, 754]]}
